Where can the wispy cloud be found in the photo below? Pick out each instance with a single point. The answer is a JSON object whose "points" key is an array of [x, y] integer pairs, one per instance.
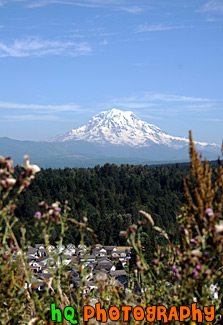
{"points": [[75, 36], [213, 20], [126, 103], [142, 100], [132, 7], [151, 105], [55, 108], [30, 117], [88, 32], [121, 5], [36, 47], [213, 119], [173, 98], [43, 3], [156, 28], [107, 34], [2, 2], [212, 6], [133, 10], [104, 42], [160, 104]]}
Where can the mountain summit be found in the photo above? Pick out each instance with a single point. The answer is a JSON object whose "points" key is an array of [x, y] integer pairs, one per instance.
{"points": [[123, 128]]}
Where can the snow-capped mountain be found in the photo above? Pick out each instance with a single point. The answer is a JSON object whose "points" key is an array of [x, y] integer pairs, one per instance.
{"points": [[124, 128], [113, 136]]}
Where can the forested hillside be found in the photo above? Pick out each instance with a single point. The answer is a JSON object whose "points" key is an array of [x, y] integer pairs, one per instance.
{"points": [[110, 197]]}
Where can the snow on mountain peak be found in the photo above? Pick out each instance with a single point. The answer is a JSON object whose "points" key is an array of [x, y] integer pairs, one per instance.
{"points": [[121, 128]]}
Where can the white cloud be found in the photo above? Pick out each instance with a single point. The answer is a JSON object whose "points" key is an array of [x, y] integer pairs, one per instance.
{"points": [[35, 47], [198, 107], [105, 42], [213, 20], [157, 105], [31, 118], [215, 6], [2, 2], [161, 104], [133, 10], [87, 33], [55, 108], [127, 104], [36, 4], [156, 28], [132, 7], [173, 98], [75, 36], [213, 119], [107, 34]]}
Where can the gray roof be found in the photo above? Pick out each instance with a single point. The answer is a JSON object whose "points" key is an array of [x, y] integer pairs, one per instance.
{"points": [[31, 250], [118, 273], [43, 250], [86, 257], [104, 260], [98, 245], [104, 266], [39, 245], [95, 250]]}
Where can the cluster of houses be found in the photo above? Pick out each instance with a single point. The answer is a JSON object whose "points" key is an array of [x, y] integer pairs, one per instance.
{"points": [[99, 262]]}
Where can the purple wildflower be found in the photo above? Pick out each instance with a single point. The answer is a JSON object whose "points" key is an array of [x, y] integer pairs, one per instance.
{"points": [[174, 268], [194, 273], [209, 211], [193, 240], [198, 268], [57, 209], [38, 215]]}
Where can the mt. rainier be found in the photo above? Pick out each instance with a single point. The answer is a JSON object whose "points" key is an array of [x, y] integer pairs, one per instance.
{"points": [[124, 128], [113, 136]]}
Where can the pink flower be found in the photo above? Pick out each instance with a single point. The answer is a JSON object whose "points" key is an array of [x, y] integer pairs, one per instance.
{"points": [[132, 228], [209, 212], [174, 268], [195, 273], [38, 215]]}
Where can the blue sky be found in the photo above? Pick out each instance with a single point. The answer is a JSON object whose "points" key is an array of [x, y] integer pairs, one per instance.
{"points": [[63, 61]]}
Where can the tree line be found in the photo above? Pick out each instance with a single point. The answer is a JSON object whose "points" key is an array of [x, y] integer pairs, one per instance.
{"points": [[110, 196]]}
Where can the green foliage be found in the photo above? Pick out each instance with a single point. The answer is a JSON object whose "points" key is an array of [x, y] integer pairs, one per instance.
{"points": [[109, 196]]}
